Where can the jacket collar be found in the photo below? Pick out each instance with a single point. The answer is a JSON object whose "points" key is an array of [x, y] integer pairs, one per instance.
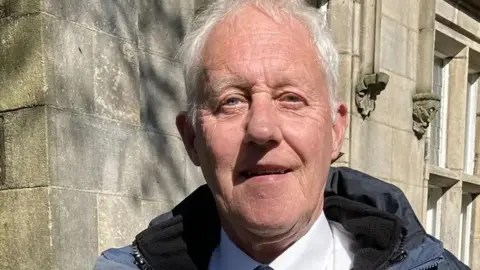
{"points": [[377, 213]]}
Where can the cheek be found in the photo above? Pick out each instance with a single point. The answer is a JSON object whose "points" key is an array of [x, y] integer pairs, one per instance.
{"points": [[311, 140], [222, 141]]}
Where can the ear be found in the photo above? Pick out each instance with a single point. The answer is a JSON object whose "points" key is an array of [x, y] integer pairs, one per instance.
{"points": [[338, 130], [187, 132]]}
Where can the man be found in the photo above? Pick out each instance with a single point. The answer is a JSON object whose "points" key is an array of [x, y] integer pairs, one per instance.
{"points": [[264, 126]]}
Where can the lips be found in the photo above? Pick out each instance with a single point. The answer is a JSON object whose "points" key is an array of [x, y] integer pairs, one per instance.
{"points": [[264, 170]]}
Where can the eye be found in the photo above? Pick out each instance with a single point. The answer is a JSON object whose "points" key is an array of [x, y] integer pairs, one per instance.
{"points": [[232, 101], [291, 98]]}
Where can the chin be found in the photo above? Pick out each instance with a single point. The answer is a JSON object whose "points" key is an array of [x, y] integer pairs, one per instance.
{"points": [[269, 224]]}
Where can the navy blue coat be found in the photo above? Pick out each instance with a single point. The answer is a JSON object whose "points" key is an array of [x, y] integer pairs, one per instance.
{"points": [[375, 212]]}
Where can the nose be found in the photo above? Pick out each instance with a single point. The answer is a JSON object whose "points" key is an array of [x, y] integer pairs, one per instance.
{"points": [[262, 123]]}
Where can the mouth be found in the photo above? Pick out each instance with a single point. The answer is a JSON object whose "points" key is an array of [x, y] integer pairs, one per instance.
{"points": [[264, 171]]}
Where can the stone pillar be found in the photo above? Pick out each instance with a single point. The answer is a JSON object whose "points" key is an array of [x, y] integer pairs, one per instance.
{"points": [[341, 18], [475, 260], [451, 207], [457, 103], [89, 93]]}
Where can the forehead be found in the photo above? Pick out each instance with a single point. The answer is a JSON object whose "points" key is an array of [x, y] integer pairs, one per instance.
{"points": [[250, 39]]}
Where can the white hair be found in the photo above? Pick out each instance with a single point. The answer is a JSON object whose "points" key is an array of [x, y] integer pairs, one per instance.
{"points": [[191, 51]]}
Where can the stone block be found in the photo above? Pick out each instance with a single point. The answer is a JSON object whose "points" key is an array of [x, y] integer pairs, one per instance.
{"points": [[21, 63], [117, 18], [394, 104], [85, 145], [74, 229], [162, 93], [120, 219], [371, 147], [157, 172], [163, 24], [475, 260], [404, 12], [116, 79], [343, 92], [408, 160], [412, 49], [69, 65], [25, 148], [446, 10], [25, 233], [394, 46], [341, 23], [15, 8], [468, 23], [97, 154], [451, 207], [457, 103]]}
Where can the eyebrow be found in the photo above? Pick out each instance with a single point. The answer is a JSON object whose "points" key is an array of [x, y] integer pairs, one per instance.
{"points": [[218, 85]]}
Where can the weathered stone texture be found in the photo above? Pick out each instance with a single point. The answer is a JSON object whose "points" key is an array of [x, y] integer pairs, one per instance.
{"points": [[343, 91], [25, 146], [116, 79], [405, 12], [121, 218], [68, 50], [457, 98], [341, 23], [163, 24], [412, 48], [15, 8], [372, 153], [162, 93], [21, 62], [118, 18], [451, 207], [74, 229], [394, 46], [25, 233], [408, 160], [394, 105], [139, 164]]}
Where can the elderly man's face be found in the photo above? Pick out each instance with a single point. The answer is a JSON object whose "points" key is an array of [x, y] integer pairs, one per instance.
{"points": [[264, 136]]}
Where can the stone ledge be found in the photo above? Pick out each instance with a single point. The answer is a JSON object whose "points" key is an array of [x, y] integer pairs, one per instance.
{"points": [[443, 177], [471, 183]]}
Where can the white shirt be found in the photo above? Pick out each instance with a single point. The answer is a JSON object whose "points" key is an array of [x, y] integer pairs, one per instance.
{"points": [[327, 245]]}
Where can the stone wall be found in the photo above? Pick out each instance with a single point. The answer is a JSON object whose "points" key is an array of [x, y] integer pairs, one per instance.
{"points": [[89, 91], [89, 94]]}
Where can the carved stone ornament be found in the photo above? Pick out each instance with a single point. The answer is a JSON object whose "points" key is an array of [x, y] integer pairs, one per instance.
{"points": [[367, 90], [425, 108]]}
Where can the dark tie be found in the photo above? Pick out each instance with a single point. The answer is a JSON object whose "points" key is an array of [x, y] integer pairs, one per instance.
{"points": [[263, 267]]}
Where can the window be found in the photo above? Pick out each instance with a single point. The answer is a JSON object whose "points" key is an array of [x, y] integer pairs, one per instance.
{"points": [[438, 142], [434, 210], [472, 90], [465, 228]]}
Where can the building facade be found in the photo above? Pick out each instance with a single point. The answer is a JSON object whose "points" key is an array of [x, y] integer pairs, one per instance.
{"points": [[89, 90]]}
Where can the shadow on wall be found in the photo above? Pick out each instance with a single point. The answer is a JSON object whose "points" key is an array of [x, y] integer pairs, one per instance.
{"points": [[150, 93]]}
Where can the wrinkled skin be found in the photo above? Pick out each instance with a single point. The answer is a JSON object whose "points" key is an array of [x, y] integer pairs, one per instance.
{"points": [[264, 136]]}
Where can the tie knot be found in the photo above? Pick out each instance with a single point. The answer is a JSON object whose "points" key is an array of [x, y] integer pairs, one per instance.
{"points": [[263, 267]]}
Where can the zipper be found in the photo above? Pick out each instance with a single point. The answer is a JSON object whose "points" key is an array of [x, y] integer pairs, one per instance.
{"points": [[140, 261], [430, 265], [400, 254]]}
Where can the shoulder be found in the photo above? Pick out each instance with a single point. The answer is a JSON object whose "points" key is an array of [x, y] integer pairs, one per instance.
{"points": [[451, 262], [116, 258]]}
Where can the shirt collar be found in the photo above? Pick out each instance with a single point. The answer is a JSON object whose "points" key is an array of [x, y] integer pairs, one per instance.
{"points": [[313, 249]]}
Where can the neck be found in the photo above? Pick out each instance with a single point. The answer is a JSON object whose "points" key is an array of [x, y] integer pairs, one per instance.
{"points": [[266, 247]]}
